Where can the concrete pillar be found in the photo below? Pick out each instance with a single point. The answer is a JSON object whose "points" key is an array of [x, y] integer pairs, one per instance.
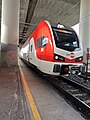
{"points": [[85, 25], [9, 31]]}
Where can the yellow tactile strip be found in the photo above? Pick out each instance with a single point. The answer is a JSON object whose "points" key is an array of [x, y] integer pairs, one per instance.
{"points": [[29, 96]]}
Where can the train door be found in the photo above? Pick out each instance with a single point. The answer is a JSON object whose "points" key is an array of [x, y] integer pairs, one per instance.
{"points": [[31, 51]]}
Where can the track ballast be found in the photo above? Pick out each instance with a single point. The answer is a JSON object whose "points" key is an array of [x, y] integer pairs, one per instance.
{"points": [[74, 91]]}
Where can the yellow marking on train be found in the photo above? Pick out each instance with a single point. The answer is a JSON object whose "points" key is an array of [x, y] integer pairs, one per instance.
{"points": [[29, 95]]}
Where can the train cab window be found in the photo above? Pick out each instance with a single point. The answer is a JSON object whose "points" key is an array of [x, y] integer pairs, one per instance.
{"points": [[41, 42], [66, 40]]}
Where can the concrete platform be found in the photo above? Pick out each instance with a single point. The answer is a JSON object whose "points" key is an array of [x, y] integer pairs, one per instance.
{"points": [[12, 101], [49, 104]]}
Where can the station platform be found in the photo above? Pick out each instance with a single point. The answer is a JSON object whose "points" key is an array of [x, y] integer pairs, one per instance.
{"points": [[42, 102], [12, 101]]}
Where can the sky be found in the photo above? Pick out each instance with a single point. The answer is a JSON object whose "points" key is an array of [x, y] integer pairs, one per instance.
{"points": [[76, 28]]}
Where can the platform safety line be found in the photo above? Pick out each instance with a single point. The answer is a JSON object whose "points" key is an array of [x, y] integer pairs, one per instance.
{"points": [[30, 98]]}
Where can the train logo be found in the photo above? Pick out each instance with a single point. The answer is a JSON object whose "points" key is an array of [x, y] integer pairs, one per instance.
{"points": [[72, 55]]}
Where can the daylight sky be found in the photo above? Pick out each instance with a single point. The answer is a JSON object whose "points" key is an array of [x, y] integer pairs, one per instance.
{"points": [[76, 28]]}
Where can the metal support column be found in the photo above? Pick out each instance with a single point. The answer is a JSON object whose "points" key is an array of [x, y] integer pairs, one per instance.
{"points": [[85, 25]]}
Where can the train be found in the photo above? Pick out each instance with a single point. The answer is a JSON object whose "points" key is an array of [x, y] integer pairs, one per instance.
{"points": [[53, 49]]}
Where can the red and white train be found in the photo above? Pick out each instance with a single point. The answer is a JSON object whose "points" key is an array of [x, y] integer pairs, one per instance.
{"points": [[53, 48]]}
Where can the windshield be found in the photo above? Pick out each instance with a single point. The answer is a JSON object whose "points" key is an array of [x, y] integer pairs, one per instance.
{"points": [[66, 40]]}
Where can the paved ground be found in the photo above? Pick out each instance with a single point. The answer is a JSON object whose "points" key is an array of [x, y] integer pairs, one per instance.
{"points": [[12, 103]]}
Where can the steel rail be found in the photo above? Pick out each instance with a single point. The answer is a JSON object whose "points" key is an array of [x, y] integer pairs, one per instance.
{"points": [[80, 104], [75, 84]]}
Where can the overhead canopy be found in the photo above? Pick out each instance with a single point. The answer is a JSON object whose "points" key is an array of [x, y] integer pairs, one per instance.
{"points": [[32, 11]]}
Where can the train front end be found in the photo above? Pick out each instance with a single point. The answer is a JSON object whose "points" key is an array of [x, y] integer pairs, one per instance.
{"points": [[68, 53]]}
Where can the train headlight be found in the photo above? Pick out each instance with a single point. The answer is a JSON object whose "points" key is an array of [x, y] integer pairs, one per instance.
{"points": [[58, 57], [79, 59]]}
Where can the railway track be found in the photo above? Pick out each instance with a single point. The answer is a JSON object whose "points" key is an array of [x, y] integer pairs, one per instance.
{"points": [[74, 88], [76, 93], [85, 77], [81, 79]]}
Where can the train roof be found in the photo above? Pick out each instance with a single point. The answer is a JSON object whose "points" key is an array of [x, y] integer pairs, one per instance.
{"points": [[56, 26]]}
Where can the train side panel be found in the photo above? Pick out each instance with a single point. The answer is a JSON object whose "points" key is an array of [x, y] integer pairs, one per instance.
{"points": [[41, 50], [43, 42]]}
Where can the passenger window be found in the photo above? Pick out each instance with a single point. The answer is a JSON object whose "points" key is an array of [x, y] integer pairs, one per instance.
{"points": [[41, 42]]}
